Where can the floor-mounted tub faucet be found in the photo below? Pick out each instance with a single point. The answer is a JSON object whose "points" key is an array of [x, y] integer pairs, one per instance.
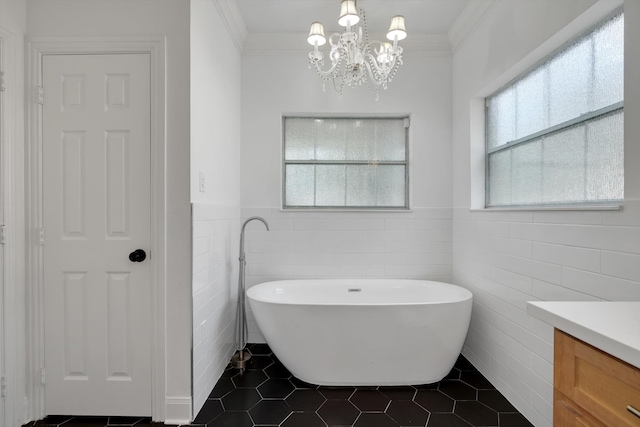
{"points": [[240, 358]]}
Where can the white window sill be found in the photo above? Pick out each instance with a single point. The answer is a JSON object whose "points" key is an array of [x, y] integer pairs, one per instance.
{"points": [[612, 207]]}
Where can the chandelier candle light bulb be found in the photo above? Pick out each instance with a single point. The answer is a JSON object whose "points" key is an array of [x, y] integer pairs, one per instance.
{"points": [[355, 60], [384, 53]]}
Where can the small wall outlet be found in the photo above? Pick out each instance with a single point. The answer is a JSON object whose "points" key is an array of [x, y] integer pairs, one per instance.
{"points": [[201, 184]]}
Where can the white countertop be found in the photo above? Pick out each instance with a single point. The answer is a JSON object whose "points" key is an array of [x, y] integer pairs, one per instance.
{"points": [[613, 327]]}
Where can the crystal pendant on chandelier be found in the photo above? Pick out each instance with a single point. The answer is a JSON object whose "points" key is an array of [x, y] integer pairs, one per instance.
{"points": [[355, 60]]}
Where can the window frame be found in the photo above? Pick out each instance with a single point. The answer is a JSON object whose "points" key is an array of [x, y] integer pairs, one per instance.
{"points": [[405, 163], [584, 118]]}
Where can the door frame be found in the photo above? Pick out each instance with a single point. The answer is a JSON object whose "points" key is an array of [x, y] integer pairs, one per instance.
{"points": [[36, 49], [11, 182], [3, 319]]}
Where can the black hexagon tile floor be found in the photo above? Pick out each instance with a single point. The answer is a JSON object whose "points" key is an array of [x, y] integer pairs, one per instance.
{"points": [[267, 395]]}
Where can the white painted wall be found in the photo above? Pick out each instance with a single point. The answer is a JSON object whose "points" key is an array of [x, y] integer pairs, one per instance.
{"points": [[169, 18], [215, 107], [508, 258], [352, 244], [13, 26], [215, 153]]}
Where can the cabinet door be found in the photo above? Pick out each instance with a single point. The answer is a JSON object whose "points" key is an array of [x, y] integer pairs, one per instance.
{"points": [[596, 380]]}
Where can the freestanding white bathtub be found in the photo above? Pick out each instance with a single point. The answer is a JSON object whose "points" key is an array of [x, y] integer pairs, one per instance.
{"points": [[363, 332]]}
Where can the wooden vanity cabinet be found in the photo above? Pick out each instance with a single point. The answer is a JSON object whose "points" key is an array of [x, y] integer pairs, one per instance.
{"points": [[591, 387]]}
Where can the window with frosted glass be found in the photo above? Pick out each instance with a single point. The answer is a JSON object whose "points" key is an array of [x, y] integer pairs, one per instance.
{"points": [[345, 163], [555, 135]]}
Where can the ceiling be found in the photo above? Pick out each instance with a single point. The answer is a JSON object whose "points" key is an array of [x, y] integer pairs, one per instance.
{"points": [[296, 16]]}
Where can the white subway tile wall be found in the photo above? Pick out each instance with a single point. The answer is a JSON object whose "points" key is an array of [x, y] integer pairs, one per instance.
{"points": [[215, 245], [509, 258], [315, 245]]}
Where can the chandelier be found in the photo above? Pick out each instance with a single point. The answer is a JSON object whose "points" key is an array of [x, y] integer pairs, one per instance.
{"points": [[355, 60]]}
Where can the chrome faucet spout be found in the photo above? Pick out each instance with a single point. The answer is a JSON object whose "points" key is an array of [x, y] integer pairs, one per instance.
{"points": [[241, 357], [256, 218]]}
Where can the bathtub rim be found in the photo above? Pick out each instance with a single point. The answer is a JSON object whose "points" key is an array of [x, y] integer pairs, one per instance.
{"points": [[468, 295]]}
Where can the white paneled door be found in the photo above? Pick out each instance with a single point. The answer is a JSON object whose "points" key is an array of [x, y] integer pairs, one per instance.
{"points": [[96, 215]]}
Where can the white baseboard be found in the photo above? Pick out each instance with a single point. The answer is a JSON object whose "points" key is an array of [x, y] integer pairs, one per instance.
{"points": [[178, 410]]}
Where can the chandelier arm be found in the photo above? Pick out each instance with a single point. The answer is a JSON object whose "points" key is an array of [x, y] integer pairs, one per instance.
{"points": [[378, 74], [374, 73], [335, 63], [325, 73]]}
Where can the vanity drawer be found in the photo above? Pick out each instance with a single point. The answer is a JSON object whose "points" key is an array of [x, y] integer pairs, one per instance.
{"points": [[597, 382], [568, 414]]}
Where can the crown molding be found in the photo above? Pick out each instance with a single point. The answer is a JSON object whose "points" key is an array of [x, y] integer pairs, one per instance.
{"points": [[233, 21], [472, 15], [293, 43]]}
